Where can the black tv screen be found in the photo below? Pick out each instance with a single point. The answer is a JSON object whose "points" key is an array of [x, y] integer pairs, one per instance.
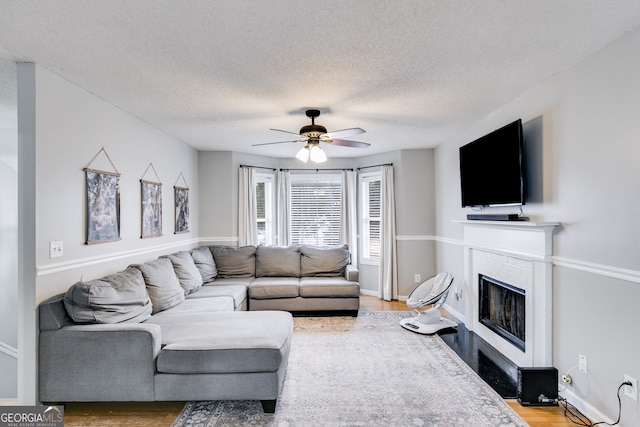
{"points": [[492, 168]]}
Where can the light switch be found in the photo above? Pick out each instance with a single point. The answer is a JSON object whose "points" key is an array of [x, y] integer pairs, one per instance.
{"points": [[56, 249]]}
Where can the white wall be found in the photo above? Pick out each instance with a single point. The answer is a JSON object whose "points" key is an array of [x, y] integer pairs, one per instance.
{"points": [[69, 127], [72, 126], [582, 137]]}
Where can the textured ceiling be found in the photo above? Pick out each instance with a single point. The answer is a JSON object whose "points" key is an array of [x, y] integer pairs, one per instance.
{"points": [[219, 74]]}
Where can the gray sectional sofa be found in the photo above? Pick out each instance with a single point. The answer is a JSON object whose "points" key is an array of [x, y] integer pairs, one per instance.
{"points": [[177, 328], [296, 278]]}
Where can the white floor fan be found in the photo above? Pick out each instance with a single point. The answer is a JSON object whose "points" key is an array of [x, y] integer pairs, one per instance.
{"points": [[432, 291]]}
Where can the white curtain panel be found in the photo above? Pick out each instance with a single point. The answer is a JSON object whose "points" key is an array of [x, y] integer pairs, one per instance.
{"points": [[247, 228], [388, 272], [283, 201], [349, 224]]}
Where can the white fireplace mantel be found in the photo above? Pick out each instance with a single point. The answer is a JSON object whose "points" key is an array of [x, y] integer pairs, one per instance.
{"points": [[518, 253]]}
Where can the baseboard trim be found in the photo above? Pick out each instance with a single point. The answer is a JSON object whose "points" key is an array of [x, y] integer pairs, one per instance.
{"points": [[8, 350], [455, 313], [368, 292], [583, 406]]}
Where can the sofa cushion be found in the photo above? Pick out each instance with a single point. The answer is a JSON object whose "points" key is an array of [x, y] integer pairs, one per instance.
{"points": [[232, 261], [120, 297], [323, 260], [240, 341], [328, 287], [203, 258], [237, 291], [281, 261], [186, 271], [162, 284], [212, 304], [274, 287]]}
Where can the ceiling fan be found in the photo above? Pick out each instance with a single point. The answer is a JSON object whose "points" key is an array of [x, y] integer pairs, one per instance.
{"points": [[314, 134]]}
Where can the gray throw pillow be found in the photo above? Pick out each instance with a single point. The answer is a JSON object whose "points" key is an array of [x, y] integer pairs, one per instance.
{"points": [[186, 271], [117, 298], [232, 261], [162, 284], [203, 259], [323, 260], [280, 261]]}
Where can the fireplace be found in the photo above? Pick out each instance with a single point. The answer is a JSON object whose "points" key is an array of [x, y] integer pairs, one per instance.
{"points": [[517, 254], [502, 309]]}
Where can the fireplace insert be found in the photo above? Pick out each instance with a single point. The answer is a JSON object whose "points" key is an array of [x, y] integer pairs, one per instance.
{"points": [[502, 309]]}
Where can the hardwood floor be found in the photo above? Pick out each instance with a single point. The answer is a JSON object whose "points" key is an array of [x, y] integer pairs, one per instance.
{"points": [[535, 416], [158, 414]]}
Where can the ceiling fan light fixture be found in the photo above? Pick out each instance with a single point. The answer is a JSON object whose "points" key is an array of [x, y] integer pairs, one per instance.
{"points": [[303, 154], [317, 155]]}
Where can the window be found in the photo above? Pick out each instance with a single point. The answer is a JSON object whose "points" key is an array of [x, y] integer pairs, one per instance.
{"points": [[264, 184], [370, 216], [315, 211]]}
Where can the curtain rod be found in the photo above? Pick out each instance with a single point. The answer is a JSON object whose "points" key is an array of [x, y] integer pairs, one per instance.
{"points": [[317, 170], [257, 167], [375, 166]]}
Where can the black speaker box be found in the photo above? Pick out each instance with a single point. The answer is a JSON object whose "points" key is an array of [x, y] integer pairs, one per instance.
{"points": [[494, 217], [538, 386]]}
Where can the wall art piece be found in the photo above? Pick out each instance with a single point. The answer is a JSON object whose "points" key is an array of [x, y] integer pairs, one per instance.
{"points": [[151, 205], [103, 206], [151, 195], [182, 209]]}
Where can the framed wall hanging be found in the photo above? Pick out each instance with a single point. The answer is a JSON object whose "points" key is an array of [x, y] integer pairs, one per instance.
{"points": [[151, 206], [181, 198], [102, 203]]}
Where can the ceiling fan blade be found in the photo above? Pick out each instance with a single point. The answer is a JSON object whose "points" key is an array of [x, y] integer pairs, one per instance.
{"points": [[348, 143], [278, 142], [343, 133], [285, 131]]}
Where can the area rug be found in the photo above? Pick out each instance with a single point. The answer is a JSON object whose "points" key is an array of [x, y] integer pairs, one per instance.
{"points": [[365, 371]]}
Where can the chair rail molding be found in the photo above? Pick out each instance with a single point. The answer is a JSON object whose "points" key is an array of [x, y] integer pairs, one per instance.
{"points": [[44, 270]]}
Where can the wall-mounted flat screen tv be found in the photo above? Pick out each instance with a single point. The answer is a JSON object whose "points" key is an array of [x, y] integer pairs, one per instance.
{"points": [[492, 168]]}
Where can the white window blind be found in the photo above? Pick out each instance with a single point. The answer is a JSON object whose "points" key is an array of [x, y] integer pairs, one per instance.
{"points": [[315, 209], [370, 211]]}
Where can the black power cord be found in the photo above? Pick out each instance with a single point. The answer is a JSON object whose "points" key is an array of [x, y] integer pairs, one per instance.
{"points": [[575, 416]]}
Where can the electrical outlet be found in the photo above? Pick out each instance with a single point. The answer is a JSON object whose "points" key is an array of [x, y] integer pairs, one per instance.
{"points": [[56, 249], [417, 278], [632, 390], [582, 363]]}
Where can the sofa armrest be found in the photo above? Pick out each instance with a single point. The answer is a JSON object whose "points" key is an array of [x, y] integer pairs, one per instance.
{"points": [[351, 273], [102, 362]]}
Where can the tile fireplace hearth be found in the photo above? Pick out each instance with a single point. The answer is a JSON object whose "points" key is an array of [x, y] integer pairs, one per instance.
{"points": [[518, 254]]}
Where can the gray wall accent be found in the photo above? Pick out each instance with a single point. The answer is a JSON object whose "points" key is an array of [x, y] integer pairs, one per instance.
{"points": [[26, 73], [8, 227], [216, 179], [581, 135]]}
